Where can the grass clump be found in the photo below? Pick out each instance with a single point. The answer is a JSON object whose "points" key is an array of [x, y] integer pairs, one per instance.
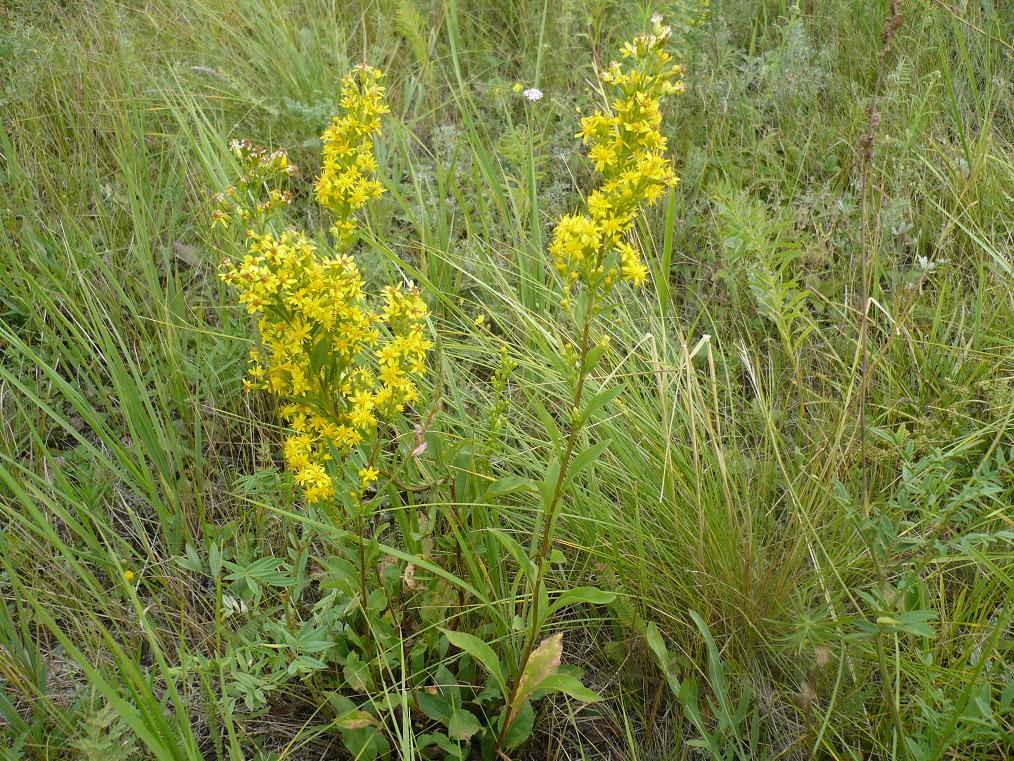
{"points": [[710, 469]]}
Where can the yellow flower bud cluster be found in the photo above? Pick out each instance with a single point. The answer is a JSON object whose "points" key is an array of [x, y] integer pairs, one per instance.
{"points": [[346, 180], [339, 365], [629, 151], [245, 202]]}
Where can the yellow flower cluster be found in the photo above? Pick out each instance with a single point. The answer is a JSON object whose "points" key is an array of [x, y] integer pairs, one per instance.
{"points": [[346, 183], [338, 365], [322, 350], [629, 150]]}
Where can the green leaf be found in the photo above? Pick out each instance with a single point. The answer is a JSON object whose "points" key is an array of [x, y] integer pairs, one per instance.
{"points": [[319, 353], [356, 720], [481, 652], [980, 706], [463, 725], [521, 727], [516, 551], [548, 422], [542, 663], [377, 601], [599, 401], [542, 594], [365, 744], [263, 571], [448, 685], [215, 560], [569, 685], [911, 622], [1006, 698], [657, 645], [548, 486], [191, 561], [578, 595], [509, 485], [434, 706], [453, 750], [584, 459], [357, 674], [594, 355]]}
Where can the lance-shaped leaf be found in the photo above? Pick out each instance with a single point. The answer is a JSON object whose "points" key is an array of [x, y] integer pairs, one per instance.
{"points": [[583, 460], [569, 685], [579, 595], [481, 652], [509, 485], [543, 662], [356, 719]]}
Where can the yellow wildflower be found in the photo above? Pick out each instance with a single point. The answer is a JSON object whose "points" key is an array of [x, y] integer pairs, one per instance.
{"points": [[344, 184], [367, 476], [629, 151], [337, 364]]}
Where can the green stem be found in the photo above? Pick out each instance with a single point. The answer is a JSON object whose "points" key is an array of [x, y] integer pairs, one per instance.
{"points": [[548, 519], [363, 589]]}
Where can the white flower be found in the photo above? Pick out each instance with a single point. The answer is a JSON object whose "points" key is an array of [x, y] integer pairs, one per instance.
{"points": [[533, 94], [928, 265]]}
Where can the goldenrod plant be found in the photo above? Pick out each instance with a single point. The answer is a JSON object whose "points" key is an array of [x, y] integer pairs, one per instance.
{"points": [[591, 252], [342, 370], [480, 436], [338, 366]]}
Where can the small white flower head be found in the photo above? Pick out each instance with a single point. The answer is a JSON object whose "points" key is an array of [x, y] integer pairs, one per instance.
{"points": [[533, 94], [928, 265], [656, 18]]}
